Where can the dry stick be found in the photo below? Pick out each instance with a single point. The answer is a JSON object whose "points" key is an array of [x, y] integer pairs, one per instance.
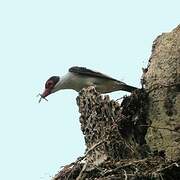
{"points": [[80, 177], [81, 158], [133, 163], [125, 174], [123, 166], [85, 165], [161, 177], [173, 164], [93, 147]]}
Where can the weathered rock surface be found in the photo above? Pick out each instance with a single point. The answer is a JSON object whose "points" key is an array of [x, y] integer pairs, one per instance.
{"points": [[162, 81]]}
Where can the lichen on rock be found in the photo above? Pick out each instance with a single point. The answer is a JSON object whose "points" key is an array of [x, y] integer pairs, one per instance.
{"points": [[162, 81]]}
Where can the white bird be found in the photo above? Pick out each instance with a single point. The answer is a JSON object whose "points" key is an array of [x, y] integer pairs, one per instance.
{"points": [[78, 78]]}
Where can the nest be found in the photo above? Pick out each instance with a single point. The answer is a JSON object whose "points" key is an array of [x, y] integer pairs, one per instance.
{"points": [[115, 139], [155, 167]]}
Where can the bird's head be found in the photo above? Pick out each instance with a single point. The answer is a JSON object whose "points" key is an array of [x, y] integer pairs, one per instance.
{"points": [[50, 86]]}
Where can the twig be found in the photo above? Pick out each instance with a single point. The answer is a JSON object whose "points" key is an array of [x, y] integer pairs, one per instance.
{"points": [[161, 176], [129, 146], [93, 147], [80, 177], [173, 164], [125, 174], [122, 166]]}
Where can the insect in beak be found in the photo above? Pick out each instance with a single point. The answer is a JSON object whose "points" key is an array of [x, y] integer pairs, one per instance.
{"points": [[41, 97]]}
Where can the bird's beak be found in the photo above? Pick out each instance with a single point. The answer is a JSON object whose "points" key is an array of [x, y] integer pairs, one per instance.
{"points": [[46, 93]]}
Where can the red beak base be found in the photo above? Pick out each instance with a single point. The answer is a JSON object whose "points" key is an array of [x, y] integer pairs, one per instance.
{"points": [[46, 93]]}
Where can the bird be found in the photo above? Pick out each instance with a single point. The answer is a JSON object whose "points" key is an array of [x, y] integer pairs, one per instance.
{"points": [[78, 78]]}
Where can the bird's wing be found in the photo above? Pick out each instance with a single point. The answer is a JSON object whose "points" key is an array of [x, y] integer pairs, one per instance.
{"points": [[89, 72]]}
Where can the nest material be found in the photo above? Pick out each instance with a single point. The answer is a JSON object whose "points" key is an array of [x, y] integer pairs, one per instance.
{"points": [[115, 138], [155, 167], [120, 127]]}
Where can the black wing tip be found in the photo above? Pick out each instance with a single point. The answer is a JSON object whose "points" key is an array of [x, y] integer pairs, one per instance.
{"points": [[71, 69]]}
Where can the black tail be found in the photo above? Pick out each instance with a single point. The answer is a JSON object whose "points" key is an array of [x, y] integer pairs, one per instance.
{"points": [[127, 88]]}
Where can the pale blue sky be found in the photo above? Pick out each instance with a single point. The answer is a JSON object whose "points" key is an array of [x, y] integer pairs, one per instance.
{"points": [[40, 38]]}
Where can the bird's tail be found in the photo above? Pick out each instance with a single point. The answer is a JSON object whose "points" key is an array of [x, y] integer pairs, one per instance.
{"points": [[127, 88]]}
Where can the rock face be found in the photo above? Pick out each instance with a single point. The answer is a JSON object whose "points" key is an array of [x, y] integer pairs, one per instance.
{"points": [[138, 139], [162, 81]]}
